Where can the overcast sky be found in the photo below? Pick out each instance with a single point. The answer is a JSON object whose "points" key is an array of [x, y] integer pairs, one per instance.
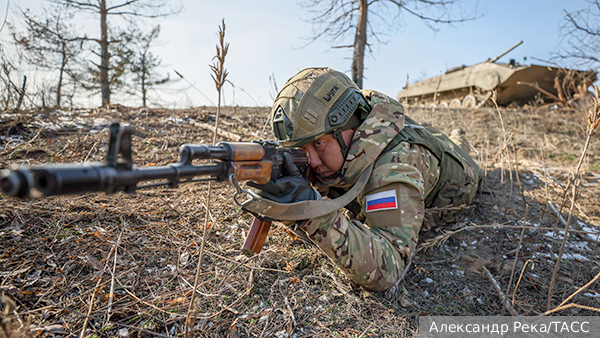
{"points": [[265, 37]]}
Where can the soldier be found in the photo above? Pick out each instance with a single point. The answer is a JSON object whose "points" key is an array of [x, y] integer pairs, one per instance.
{"points": [[343, 131]]}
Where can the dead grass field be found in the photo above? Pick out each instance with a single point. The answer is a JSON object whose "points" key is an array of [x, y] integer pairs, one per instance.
{"points": [[127, 262]]}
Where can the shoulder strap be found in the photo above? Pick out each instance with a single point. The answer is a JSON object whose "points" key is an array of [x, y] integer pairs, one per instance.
{"points": [[413, 133]]}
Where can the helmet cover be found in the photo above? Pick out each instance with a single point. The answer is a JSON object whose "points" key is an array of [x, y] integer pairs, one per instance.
{"points": [[315, 102]]}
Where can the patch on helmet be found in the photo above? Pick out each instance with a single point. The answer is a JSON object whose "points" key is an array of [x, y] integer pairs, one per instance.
{"points": [[384, 200], [308, 121], [330, 91]]}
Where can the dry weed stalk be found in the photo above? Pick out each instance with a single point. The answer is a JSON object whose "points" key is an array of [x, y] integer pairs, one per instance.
{"points": [[101, 320], [95, 292], [192, 85], [505, 145], [568, 306], [220, 73], [219, 76], [562, 305], [502, 149], [112, 272], [519, 280], [512, 272], [9, 309], [440, 239], [274, 84], [593, 121]]}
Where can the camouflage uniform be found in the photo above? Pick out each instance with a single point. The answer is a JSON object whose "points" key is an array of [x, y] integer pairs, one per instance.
{"points": [[373, 247]]}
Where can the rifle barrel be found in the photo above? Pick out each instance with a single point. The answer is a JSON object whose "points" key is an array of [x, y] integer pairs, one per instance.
{"points": [[63, 179]]}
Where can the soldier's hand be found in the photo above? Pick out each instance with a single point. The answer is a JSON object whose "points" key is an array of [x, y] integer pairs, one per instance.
{"points": [[287, 189]]}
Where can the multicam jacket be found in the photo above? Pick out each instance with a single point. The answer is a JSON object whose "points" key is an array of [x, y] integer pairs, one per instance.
{"points": [[374, 243]]}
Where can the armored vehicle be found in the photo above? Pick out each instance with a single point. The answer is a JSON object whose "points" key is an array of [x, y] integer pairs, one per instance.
{"points": [[507, 83]]}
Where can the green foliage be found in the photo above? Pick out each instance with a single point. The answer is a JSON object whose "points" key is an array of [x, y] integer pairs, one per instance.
{"points": [[568, 157]]}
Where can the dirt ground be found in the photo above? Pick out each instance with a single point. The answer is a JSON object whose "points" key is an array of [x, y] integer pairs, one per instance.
{"points": [[127, 262]]}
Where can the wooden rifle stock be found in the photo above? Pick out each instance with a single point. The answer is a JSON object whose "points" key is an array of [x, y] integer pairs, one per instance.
{"points": [[256, 236]]}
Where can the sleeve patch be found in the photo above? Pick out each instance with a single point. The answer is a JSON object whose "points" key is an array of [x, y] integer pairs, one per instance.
{"points": [[384, 200]]}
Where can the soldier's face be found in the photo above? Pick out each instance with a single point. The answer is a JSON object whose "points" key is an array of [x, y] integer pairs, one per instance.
{"points": [[325, 154]]}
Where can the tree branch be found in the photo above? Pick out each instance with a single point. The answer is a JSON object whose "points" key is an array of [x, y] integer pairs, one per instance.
{"points": [[76, 4], [122, 5]]}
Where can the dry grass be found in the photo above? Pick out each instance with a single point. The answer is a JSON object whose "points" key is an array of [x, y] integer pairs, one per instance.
{"points": [[55, 254], [219, 75]]}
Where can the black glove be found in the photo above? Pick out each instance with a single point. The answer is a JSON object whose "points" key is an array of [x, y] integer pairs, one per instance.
{"points": [[287, 189]]}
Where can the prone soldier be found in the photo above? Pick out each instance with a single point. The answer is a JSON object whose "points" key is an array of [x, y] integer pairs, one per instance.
{"points": [[365, 156], [347, 133]]}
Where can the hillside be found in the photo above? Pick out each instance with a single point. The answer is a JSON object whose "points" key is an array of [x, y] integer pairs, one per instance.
{"points": [[128, 262]]}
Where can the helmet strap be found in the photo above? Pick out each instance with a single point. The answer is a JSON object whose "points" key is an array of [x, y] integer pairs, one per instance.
{"points": [[338, 136]]}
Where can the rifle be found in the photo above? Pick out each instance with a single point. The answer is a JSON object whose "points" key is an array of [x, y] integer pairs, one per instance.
{"points": [[258, 161]]}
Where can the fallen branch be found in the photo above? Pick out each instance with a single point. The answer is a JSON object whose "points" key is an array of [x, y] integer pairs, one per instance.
{"points": [[223, 133], [172, 314], [473, 226], [448, 208], [16, 147], [102, 320], [338, 285], [498, 289], [553, 208]]}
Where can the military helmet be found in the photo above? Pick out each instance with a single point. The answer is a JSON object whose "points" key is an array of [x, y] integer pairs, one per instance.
{"points": [[315, 102]]}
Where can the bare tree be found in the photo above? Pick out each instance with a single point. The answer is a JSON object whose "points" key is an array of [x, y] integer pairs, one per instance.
{"points": [[49, 42], [121, 52], [9, 73], [11, 91], [580, 36], [143, 63], [336, 19], [125, 8]]}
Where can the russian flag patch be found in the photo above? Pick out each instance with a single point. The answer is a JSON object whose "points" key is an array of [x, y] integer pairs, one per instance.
{"points": [[384, 200]]}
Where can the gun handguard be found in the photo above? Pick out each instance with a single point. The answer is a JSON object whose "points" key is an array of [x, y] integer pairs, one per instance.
{"points": [[258, 161]]}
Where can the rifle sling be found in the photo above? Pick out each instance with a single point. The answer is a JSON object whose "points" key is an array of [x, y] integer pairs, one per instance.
{"points": [[302, 210]]}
